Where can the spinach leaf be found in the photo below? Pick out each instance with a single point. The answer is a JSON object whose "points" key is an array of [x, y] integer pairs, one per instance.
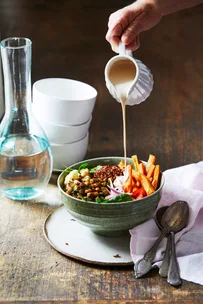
{"points": [[82, 197], [101, 200], [66, 170], [120, 198], [92, 170], [117, 199], [83, 166]]}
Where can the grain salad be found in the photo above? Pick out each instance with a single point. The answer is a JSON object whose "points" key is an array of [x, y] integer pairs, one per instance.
{"points": [[114, 183]]}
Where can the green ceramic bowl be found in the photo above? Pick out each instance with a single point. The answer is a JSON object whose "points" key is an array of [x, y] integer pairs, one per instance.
{"points": [[113, 218]]}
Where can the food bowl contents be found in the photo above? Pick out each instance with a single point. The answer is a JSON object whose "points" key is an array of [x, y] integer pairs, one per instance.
{"points": [[113, 183], [121, 208]]}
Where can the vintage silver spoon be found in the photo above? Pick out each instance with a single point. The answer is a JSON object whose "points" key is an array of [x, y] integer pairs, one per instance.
{"points": [[174, 219], [173, 271], [163, 270], [169, 255]]}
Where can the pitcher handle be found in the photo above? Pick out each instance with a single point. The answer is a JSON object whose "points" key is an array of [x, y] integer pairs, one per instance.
{"points": [[122, 50]]}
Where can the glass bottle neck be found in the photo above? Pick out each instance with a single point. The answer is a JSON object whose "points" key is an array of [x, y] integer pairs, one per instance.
{"points": [[16, 61]]}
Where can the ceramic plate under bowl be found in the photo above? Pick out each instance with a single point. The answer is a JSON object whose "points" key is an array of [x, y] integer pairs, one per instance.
{"points": [[74, 240]]}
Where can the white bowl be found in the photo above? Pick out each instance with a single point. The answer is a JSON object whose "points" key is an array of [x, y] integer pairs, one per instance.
{"points": [[60, 134], [68, 154], [64, 101]]}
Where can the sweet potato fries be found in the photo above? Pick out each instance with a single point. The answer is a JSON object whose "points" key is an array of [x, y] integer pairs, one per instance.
{"points": [[142, 180]]}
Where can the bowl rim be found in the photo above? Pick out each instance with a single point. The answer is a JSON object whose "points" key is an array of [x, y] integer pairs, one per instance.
{"points": [[55, 125], [162, 182], [63, 79], [52, 144]]}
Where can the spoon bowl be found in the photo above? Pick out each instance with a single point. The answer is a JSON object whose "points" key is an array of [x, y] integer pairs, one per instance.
{"points": [[176, 216], [159, 215]]}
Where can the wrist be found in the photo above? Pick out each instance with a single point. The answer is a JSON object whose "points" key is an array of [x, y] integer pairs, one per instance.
{"points": [[168, 6], [147, 5], [171, 6]]}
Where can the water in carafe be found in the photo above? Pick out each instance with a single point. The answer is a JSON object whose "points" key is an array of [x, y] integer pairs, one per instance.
{"points": [[25, 155]]}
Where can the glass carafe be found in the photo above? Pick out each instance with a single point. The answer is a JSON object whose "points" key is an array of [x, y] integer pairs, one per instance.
{"points": [[25, 155]]}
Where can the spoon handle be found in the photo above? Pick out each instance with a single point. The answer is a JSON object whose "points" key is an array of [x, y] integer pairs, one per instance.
{"points": [[163, 270], [173, 272], [144, 265]]}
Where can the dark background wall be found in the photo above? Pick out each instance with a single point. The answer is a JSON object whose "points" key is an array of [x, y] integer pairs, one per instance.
{"points": [[69, 41]]}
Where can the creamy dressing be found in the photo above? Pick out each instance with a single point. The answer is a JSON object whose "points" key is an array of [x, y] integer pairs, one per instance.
{"points": [[121, 75]]}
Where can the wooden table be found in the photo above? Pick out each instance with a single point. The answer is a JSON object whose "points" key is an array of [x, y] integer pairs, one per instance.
{"points": [[68, 41]]}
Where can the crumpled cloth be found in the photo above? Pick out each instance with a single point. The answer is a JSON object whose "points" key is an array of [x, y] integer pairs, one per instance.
{"points": [[183, 183]]}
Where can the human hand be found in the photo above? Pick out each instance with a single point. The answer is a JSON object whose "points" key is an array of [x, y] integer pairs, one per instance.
{"points": [[127, 23]]}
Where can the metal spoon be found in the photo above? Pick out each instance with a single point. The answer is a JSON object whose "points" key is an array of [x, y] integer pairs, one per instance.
{"points": [[173, 271], [170, 254], [174, 219], [163, 270]]}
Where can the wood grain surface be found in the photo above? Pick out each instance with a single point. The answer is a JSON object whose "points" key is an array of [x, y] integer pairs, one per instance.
{"points": [[68, 41]]}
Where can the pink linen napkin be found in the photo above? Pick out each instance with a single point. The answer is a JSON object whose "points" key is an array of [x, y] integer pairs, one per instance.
{"points": [[183, 183]]}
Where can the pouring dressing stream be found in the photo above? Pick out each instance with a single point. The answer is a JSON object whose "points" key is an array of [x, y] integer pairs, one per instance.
{"points": [[129, 81], [122, 75]]}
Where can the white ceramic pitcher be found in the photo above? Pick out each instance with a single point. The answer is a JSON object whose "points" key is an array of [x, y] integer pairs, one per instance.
{"points": [[142, 83]]}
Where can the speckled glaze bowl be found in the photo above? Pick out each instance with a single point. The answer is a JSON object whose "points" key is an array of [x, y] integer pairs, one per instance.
{"points": [[113, 218]]}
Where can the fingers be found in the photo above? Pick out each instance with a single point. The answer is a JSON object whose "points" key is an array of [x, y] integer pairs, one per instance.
{"points": [[114, 42], [123, 25], [134, 45], [115, 32], [130, 34], [118, 22], [118, 18], [126, 24]]}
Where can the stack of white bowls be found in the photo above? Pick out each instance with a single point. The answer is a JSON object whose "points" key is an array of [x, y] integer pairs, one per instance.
{"points": [[64, 109]]}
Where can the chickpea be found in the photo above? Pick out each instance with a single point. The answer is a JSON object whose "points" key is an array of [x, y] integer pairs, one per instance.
{"points": [[82, 191], [95, 185], [105, 191], [68, 190], [88, 190], [89, 195]]}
